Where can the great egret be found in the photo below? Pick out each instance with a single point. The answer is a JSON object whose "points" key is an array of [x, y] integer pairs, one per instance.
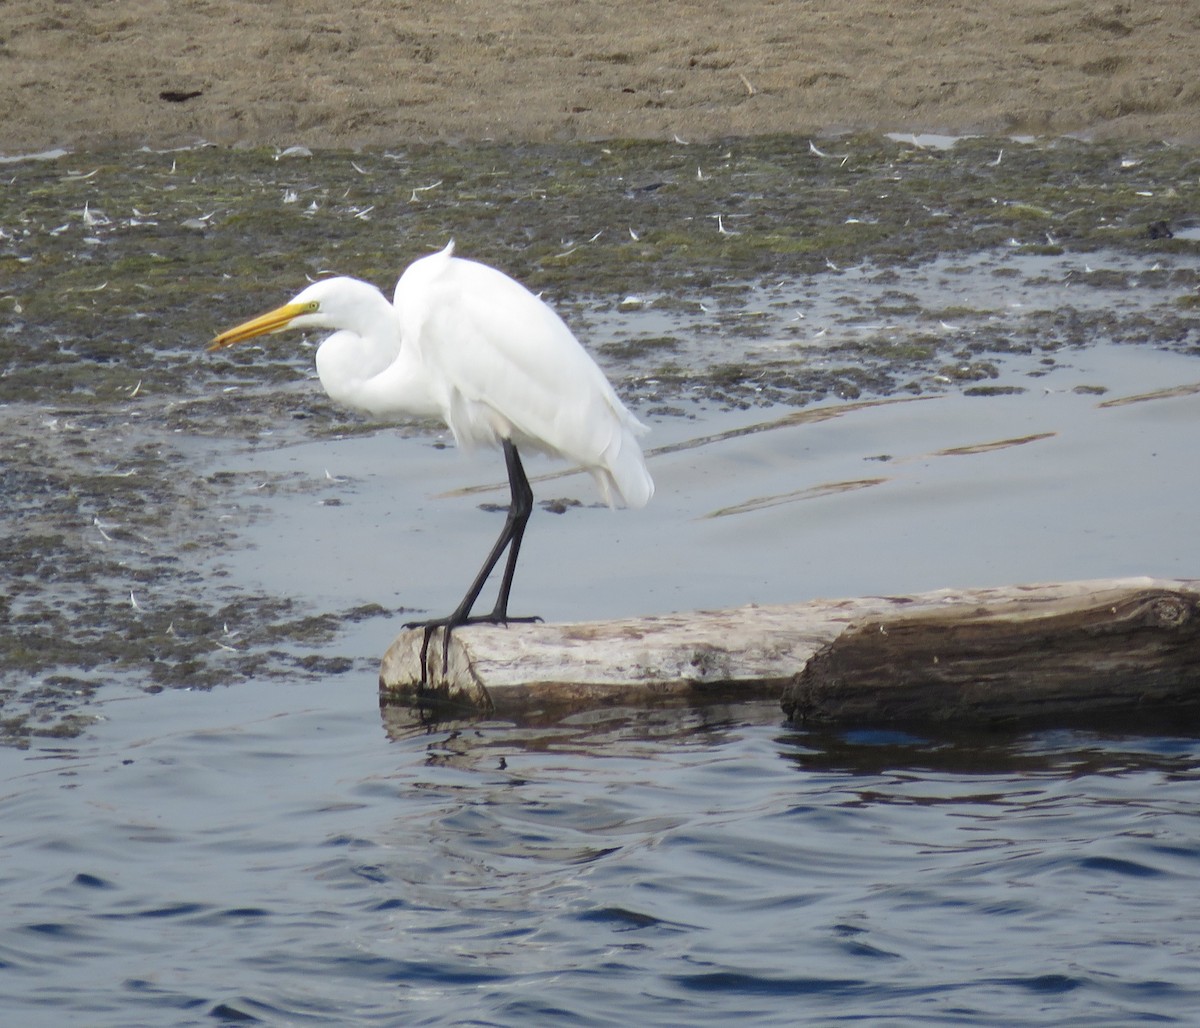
{"points": [[465, 342]]}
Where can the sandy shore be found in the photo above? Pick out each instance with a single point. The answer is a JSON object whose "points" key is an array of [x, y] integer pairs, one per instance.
{"points": [[380, 73]]}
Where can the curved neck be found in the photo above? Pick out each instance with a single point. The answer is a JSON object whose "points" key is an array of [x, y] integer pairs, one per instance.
{"points": [[369, 369]]}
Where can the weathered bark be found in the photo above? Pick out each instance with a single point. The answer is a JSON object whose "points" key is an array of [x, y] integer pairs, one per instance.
{"points": [[751, 651], [984, 654], [1109, 647]]}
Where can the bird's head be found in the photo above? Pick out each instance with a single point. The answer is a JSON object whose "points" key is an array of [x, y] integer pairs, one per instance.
{"points": [[329, 303]]}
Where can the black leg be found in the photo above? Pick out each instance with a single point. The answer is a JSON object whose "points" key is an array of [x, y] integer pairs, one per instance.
{"points": [[520, 507], [518, 517]]}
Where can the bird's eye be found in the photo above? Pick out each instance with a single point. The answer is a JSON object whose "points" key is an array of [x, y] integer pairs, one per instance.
{"points": [[312, 305]]}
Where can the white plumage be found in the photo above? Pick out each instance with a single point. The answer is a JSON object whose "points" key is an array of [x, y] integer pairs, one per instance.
{"points": [[508, 367], [464, 342]]}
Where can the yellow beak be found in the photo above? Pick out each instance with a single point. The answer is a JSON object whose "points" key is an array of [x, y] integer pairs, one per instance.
{"points": [[273, 321]]}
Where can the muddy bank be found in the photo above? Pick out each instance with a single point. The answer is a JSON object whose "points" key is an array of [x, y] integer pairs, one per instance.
{"points": [[118, 266], [380, 74]]}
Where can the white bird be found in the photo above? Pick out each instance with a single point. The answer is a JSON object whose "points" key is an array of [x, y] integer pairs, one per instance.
{"points": [[466, 343]]}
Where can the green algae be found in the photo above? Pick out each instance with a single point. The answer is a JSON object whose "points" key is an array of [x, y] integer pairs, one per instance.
{"points": [[161, 250]]}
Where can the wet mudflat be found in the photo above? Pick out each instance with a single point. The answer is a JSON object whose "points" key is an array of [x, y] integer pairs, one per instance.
{"points": [[886, 368], [709, 280]]}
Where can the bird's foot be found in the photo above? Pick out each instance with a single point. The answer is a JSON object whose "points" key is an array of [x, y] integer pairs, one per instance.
{"points": [[451, 622], [502, 619]]}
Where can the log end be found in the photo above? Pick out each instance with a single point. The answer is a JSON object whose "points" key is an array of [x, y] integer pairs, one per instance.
{"points": [[448, 677]]}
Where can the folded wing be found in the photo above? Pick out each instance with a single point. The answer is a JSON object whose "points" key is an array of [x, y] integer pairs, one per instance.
{"points": [[511, 368]]}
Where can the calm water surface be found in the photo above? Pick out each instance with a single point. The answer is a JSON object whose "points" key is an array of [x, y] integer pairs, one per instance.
{"points": [[278, 853]]}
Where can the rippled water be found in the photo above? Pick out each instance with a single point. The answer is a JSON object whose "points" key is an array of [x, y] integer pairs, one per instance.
{"points": [[270, 853]]}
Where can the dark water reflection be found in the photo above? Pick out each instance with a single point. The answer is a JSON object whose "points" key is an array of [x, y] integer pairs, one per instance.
{"points": [[269, 853]]}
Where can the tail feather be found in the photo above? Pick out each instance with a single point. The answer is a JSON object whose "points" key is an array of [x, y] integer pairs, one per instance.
{"points": [[623, 477]]}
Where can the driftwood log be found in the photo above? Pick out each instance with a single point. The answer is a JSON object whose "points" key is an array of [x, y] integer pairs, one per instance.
{"points": [[952, 655]]}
